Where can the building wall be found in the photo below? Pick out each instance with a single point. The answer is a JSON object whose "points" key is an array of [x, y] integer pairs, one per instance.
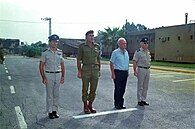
{"points": [[175, 43], [133, 41]]}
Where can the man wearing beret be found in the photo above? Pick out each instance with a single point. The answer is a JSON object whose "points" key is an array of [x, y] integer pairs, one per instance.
{"points": [[141, 67], [52, 71], [89, 57]]}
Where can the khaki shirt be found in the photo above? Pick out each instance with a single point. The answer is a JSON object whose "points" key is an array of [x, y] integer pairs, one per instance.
{"points": [[142, 58], [52, 60], [89, 55]]}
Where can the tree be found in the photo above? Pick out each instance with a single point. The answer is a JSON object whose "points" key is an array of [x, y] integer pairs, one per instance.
{"points": [[110, 36], [128, 27]]}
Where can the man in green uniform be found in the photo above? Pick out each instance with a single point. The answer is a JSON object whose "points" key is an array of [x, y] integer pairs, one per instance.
{"points": [[89, 57]]}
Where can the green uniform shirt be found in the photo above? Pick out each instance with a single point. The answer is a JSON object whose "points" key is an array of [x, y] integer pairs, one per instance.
{"points": [[89, 55]]}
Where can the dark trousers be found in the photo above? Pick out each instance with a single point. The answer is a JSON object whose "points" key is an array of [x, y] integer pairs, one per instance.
{"points": [[120, 86]]}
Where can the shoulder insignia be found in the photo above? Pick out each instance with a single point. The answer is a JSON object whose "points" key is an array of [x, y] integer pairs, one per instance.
{"points": [[45, 50], [59, 50]]}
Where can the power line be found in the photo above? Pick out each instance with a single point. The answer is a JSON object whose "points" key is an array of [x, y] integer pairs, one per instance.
{"points": [[18, 21]]}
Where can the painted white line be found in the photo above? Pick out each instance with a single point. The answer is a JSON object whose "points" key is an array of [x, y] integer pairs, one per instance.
{"points": [[183, 80], [104, 113], [6, 71], [5, 68], [9, 77], [12, 89], [20, 117]]}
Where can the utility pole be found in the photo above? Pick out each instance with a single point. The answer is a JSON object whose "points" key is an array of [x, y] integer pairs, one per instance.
{"points": [[48, 19]]}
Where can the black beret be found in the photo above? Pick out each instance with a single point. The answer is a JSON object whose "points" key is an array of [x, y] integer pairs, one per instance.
{"points": [[53, 37], [89, 32], [145, 40]]}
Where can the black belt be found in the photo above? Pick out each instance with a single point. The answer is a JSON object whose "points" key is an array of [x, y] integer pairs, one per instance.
{"points": [[91, 64], [143, 67], [52, 72], [120, 70]]}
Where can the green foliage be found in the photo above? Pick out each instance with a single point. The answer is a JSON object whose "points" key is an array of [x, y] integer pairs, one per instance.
{"points": [[33, 50], [110, 36], [128, 27]]}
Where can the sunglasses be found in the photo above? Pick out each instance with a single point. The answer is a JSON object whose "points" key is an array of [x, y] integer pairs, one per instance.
{"points": [[145, 42]]}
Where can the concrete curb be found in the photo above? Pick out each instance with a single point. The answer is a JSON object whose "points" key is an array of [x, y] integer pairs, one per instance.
{"points": [[173, 70]]}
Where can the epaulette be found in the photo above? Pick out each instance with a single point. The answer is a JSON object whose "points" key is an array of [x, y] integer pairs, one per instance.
{"points": [[45, 50], [96, 44], [59, 50]]}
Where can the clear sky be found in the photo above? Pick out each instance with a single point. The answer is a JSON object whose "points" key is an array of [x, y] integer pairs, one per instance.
{"points": [[21, 19]]}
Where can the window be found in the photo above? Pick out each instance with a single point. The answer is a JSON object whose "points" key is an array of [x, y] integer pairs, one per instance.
{"points": [[191, 36], [178, 37]]}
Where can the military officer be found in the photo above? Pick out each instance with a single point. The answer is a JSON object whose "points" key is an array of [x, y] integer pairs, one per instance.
{"points": [[88, 64], [52, 71], [141, 67]]}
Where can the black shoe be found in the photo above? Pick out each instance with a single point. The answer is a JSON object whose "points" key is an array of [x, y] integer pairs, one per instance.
{"points": [[55, 114], [140, 103], [123, 107], [145, 103], [117, 107], [51, 115]]}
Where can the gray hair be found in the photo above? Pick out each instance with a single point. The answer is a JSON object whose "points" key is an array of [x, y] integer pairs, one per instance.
{"points": [[121, 39]]}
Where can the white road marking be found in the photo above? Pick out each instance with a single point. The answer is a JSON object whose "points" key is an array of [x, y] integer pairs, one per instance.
{"points": [[6, 71], [183, 80], [5, 68], [104, 113], [12, 89], [20, 117], [9, 77]]}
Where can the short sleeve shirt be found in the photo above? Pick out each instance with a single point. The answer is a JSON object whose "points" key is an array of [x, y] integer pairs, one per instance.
{"points": [[142, 58], [52, 60], [120, 60]]}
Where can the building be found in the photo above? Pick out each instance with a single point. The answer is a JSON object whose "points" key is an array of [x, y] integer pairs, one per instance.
{"points": [[70, 46], [175, 43], [171, 43], [133, 41]]}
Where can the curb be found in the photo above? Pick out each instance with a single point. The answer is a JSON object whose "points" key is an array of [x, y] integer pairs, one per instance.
{"points": [[173, 70]]}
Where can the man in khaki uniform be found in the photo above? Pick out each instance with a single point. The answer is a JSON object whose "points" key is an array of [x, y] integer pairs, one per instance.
{"points": [[52, 71], [89, 57], [141, 67]]}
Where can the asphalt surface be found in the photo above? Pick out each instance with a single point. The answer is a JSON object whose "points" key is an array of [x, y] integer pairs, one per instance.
{"points": [[171, 96]]}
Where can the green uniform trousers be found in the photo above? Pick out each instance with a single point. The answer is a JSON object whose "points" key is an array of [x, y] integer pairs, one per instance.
{"points": [[90, 77]]}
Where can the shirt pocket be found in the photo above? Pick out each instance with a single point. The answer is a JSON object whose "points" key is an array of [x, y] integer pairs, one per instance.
{"points": [[87, 54], [143, 59]]}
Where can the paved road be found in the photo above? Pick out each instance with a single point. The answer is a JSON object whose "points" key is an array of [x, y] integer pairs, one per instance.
{"points": [[171, 96]]}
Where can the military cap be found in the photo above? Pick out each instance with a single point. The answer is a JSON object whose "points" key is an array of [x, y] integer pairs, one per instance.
{"points": [[89, 32], [53, 37], [145, 40]]}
